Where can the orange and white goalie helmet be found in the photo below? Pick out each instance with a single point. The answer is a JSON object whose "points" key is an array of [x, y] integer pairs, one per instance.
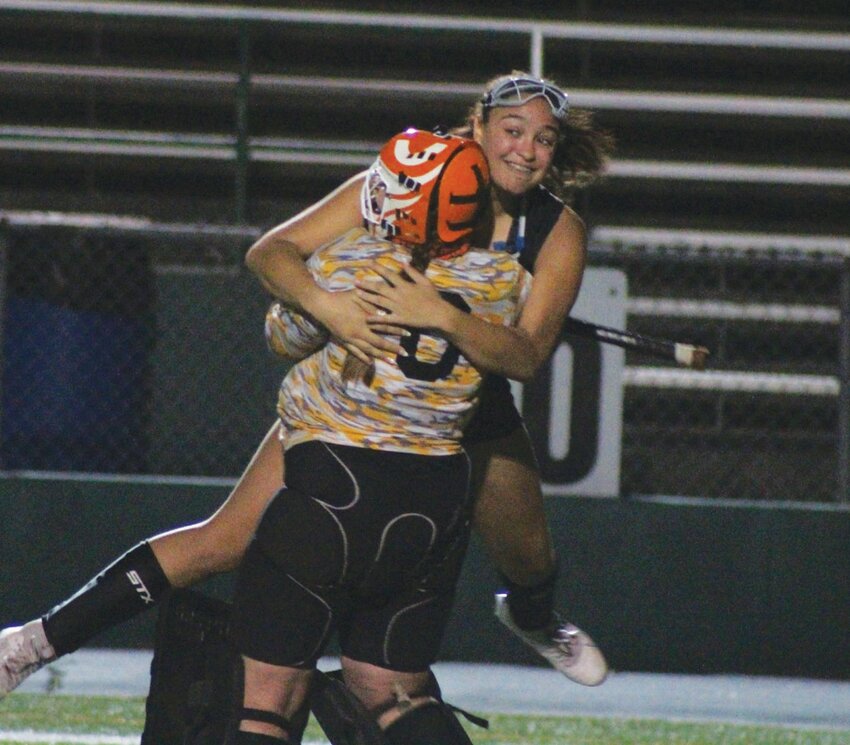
{"points": [[426, 187]]}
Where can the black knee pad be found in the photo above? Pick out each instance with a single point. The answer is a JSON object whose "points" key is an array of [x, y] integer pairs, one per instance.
{"points": [[433, 722], [302, 537], [196, 676]]}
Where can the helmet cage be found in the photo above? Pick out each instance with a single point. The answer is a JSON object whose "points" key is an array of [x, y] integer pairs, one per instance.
{"points": [[425, 187]]}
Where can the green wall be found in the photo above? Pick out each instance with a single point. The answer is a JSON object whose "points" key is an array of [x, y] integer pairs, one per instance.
{"points": [[662, 584]]}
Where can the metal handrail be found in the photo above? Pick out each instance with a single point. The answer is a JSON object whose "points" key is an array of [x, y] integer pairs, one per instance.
{"points": [[359, 154], [619, 100], [575, 30], [241, 20]]}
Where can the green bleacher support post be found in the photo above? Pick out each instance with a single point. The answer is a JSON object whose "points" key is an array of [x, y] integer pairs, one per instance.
{"points": [[243, 154], [843, 444], [3, 263]]}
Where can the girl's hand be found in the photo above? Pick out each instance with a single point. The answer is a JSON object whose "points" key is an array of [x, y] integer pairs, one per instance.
{"points": [[405, 298], [345, 316]]}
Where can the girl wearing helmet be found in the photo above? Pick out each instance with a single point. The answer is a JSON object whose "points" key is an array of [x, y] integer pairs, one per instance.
{"points": [[367, 536]]}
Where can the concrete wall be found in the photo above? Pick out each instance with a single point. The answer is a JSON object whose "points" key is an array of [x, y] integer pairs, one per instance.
{"points": [[662, 584]]}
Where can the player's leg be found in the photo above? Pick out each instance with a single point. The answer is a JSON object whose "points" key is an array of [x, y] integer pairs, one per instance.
{"points": [[193, 553], [177, 558], [367, 704], [511, 520], [281, 624], [138, 579], [509, 513], [274, 706], [385, 692], [406, 706]]}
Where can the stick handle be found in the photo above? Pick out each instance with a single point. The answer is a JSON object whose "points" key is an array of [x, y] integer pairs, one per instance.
{"points": [[687, 355]]}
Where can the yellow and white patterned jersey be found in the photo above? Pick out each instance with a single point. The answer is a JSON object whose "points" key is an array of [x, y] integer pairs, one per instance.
{"points": [[419, 403], [292, 334]]}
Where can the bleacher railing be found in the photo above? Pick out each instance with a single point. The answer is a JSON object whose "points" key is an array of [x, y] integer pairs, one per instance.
{"points": [[242, 148]]}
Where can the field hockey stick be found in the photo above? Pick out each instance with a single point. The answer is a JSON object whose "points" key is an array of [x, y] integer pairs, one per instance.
{"points": [[687, 355]]}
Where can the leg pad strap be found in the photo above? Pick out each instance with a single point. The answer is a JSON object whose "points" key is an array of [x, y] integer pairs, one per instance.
{"points": [[267, 717]]}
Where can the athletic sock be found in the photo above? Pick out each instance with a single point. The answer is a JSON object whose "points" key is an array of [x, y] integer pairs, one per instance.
{"points": [[132, 584], [532, 607]]}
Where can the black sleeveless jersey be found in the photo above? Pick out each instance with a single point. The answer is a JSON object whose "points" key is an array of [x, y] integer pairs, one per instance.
{"points": [[542, 210], [497, 415]]}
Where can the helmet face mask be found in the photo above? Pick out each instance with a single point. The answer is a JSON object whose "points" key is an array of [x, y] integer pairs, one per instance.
{"points": [[373, 197], [426, 188]]}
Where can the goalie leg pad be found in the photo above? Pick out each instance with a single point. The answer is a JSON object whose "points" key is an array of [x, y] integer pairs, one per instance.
{"points": [[195, 674], [427, 724], [346, 721], [341, 715]]}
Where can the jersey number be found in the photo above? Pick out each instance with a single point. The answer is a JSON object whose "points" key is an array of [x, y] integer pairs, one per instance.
{"points": [[442, 368]]}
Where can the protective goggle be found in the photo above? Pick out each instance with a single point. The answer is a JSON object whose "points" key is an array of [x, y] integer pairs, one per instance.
{"points": [[517, 91]]}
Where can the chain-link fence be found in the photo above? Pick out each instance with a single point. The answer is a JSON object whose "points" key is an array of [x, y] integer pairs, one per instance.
{"points": [[131, 348], [137, 348], [768, 419]]}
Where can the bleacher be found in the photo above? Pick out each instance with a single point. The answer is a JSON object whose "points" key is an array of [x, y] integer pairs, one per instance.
{"points": [[112, 102], [726, 203]]}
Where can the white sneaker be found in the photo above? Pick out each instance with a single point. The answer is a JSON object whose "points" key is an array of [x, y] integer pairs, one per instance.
{"points": [[23, 651], [567, 648]]}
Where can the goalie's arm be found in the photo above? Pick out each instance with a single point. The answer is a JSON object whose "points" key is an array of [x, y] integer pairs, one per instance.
{"points": [[278, 259], [291, 334]]}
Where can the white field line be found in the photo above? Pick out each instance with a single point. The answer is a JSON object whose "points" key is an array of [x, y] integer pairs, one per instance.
{"points": [[54, 738], [51, 738]]}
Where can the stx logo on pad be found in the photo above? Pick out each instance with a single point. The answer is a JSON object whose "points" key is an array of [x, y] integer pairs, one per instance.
{"points": [[143, 591]]}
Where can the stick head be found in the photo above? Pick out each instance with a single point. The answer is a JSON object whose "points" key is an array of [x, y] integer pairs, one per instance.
{"points": [[700, 358], [691, 356]]}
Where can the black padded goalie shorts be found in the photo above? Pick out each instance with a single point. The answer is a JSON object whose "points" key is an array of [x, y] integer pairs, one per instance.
{"points": [[365, 543]]}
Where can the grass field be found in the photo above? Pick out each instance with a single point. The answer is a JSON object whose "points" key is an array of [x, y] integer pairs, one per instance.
{"points": [[27, 719]]}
